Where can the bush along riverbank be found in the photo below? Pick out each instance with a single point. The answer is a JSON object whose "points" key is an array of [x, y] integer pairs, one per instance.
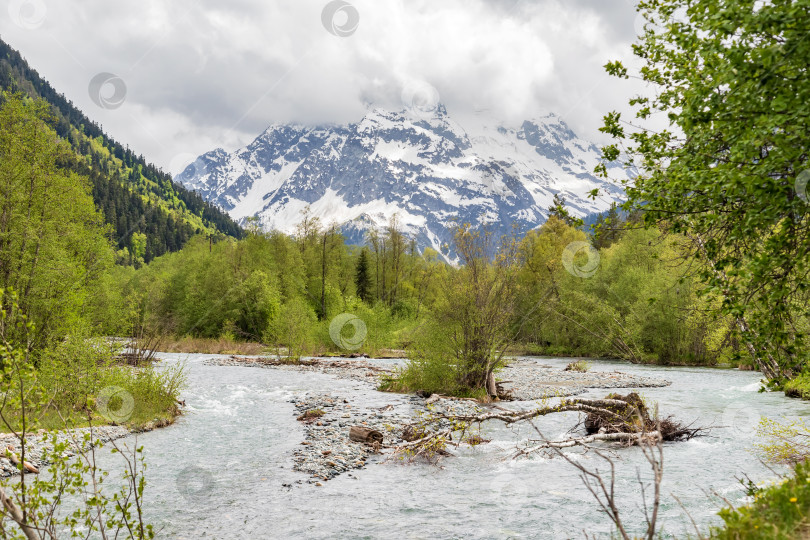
{"points": [[779, 511], [82, 382], [78, 386], [107, 401]]}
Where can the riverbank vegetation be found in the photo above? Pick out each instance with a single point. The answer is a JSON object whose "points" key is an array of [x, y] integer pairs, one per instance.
{"points": [[286, 291], [53, 397], [57, 284], [777, 511]]}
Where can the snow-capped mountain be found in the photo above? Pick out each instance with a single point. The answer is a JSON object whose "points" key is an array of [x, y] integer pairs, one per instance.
{"points": [[430, 170]]}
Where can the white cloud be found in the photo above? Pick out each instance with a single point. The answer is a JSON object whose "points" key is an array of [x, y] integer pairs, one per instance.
{"points": [[207, 73]]}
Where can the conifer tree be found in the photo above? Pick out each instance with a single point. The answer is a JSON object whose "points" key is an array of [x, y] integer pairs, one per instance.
{"points": [[362, 280]]}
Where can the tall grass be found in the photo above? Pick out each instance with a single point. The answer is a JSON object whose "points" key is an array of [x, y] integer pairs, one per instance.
{"points": [[74, 375], [221, 345]]}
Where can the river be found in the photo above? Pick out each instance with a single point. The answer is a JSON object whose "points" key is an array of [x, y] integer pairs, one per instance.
{"points": [[224, 470]]}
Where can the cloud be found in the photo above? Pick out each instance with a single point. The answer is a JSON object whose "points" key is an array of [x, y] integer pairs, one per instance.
{"points": [[202, 74]]}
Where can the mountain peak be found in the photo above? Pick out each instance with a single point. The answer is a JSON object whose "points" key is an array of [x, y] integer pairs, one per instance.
{"points": [[424, 166]]}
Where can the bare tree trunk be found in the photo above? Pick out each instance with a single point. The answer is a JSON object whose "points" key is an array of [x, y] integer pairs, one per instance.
{"points": [[492, 389], [16, 515], [323, 276]]}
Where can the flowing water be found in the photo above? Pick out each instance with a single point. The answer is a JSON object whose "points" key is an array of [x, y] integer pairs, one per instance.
{"points": [[221, 470]]}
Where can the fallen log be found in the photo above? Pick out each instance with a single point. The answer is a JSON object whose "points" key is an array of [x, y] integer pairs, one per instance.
{"points": [[16, 461], [365, 435]]}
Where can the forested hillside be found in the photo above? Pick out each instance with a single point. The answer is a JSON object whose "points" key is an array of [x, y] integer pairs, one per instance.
{"points": [[149, 213]]}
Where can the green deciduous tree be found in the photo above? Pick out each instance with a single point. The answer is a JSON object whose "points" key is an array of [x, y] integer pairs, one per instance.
{"points": [[53, 249], [731, 80], [471, 325], [637, 305]]}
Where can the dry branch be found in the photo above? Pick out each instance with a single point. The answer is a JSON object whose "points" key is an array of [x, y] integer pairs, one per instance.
{"points": [[16, 461], [617, 419], [18, 517], [629, 438]]}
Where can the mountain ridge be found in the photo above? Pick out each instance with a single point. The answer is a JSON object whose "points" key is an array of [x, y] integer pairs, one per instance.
{"points": [[429, 170], [135, 197]]}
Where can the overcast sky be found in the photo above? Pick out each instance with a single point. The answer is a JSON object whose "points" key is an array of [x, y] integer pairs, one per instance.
{"points": [[186, 76]]}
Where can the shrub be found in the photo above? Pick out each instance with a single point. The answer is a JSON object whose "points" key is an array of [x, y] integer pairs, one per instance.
{"points": [[784, 442], [779, 511], [74, 373], [431, 369], [798, 387], [580, 366]]}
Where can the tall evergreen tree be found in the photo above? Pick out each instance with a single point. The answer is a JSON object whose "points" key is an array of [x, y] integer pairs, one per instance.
{"points": [[362, 279], [559, 210], [608, 228]]}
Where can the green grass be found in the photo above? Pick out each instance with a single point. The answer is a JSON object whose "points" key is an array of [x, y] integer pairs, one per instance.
{"points": [[79, 382], [138, 398], [781, 511], [798, 387], [580, 366], [431, 375]]}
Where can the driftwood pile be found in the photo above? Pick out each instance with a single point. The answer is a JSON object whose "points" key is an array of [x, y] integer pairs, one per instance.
{"points": [[634, 417]]}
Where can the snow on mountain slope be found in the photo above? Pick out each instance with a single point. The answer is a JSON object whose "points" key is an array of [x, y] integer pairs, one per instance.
{"points": [[431, 172]]}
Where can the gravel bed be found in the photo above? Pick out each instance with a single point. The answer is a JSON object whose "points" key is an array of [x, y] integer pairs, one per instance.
{"points": [[527, 380], [530, 381], [327, 451], [343, 368], [40, 442]]}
